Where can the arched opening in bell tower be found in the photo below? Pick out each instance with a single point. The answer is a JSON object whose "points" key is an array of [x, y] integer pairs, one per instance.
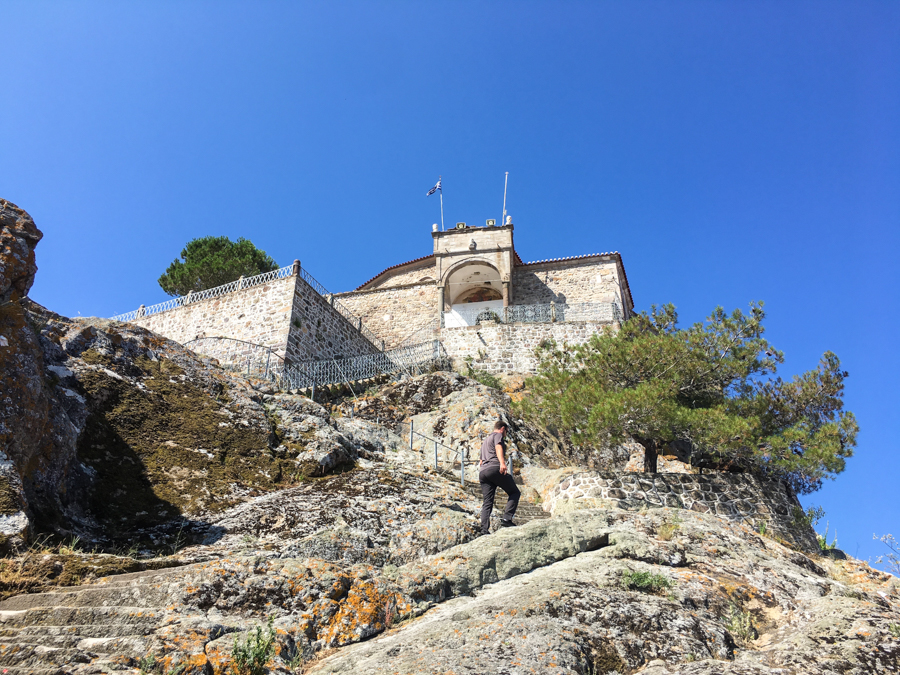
{"points": [[475, 292]]}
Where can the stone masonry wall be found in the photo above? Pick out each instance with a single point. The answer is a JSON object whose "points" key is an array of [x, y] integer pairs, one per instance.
{"points": [[319, 331], [394, 314], [594, 280], [509, 348], [285, 314], [737, 497], [412, 275], [259, 314]]}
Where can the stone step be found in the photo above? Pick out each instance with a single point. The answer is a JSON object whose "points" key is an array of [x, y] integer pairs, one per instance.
{"points": [[61, 636], [91, 596], [31, 657], [52, 646], [70, 616]]}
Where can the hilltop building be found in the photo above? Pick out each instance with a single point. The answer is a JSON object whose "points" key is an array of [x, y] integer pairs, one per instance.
{"points": [[472, 292]]}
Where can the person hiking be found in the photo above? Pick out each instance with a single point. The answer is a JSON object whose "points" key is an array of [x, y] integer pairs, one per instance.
{"points": [[494, 473]]}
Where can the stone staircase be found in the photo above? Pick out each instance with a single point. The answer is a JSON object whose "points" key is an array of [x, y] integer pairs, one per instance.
{"points": [[524, 513], [107, 625]]}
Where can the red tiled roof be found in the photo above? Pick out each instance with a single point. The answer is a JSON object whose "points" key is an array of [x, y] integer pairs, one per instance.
{"points": [[393, 267]]}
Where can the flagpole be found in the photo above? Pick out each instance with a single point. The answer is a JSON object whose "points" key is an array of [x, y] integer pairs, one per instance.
{"points": [[442, 203]]}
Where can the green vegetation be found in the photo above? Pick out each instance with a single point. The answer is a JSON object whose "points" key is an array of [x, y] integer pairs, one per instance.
{"points": [[646, 582], [894, 629], [482, 376], [823, 540], [763, 528], [208, 262], [808, 518], [740, 625], [710, 386], [151, 665], [250, 655], [669, 527]]}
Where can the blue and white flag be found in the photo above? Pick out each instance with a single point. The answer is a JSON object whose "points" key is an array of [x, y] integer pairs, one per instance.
{"points": [[437, 186]]}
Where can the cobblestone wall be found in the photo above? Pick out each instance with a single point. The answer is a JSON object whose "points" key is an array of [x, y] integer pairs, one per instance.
{"points": [[260, 314], [738, 497], [318, 331], [509, 348], [594, 280], [393, 314]]}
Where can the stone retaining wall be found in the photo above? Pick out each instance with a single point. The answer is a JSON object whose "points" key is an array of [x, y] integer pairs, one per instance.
{"points": [[259, 314], [394, 313], [286, 315], [737, 497], [318, 331], [509, 348]]}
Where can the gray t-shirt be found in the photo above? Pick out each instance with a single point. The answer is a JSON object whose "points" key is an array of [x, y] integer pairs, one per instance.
{"points": [[489, 450]]}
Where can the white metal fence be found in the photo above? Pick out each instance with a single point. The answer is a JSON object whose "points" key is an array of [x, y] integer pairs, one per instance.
{"points": [[599, 312], [255, 360]]}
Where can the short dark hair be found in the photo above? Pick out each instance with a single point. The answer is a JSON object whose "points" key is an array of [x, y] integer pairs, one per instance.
{"points": [[499, 425]]}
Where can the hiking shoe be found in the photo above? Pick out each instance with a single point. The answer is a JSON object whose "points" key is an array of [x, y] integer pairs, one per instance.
{"points": [[506, 523]]}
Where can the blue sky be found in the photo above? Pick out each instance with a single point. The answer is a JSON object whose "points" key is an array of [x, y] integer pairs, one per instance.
{"points": [[730, 151]]}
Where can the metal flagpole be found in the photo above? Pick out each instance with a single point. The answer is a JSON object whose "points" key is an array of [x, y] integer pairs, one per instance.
{"points": [[441, 190], [505, 182]]}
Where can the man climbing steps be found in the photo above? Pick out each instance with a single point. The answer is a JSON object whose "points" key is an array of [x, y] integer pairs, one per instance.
{"points": [[493, 473]]}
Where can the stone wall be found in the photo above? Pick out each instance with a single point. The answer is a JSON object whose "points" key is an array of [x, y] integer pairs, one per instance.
{"points": [[394, 314], [318, 331], [285, 314], [412, 274], [737, 497], [509, 348], [573, 281], [259, 314]]}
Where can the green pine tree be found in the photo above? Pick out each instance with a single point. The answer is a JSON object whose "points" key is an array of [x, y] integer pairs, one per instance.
{"points": [[711, 385], [208, 262]]}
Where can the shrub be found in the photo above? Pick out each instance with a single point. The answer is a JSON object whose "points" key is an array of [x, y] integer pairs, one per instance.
{"points": [[740, 625], [669, 527], [823, 540], [250, 655], [645, 582]]}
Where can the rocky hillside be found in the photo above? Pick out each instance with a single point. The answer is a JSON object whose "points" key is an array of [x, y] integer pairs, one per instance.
{"points": [[160, 515]]}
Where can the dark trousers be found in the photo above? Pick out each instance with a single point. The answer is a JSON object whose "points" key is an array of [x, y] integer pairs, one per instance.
{"points": [[490, 480]]}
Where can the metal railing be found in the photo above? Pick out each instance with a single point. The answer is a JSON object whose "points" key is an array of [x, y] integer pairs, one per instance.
{"points": [[413, 360], [428, 439], [183, 300], [254, 360], [354, 321], [249, 282], [430, 331], [240, 356], [599, 312]]}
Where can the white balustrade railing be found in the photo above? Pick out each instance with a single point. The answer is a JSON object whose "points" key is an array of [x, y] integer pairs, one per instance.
{"points": [[598, 312]]}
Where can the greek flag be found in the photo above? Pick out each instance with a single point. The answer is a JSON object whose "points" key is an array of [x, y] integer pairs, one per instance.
{"points": [[437, 186]]}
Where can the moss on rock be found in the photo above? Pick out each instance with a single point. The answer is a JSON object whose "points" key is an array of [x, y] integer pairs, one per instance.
{"points": [[167, 447]]}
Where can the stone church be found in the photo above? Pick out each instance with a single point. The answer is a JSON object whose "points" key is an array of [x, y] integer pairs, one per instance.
{"points": [[472, 292]]}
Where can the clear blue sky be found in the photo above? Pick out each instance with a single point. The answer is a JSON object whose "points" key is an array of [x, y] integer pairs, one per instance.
{"points": [[730, 151]]}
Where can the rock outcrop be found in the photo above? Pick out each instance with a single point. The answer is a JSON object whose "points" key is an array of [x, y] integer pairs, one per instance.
{"points": [[158, 513]]}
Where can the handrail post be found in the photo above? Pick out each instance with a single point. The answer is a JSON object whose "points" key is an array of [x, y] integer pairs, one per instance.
{"points": [[296, 270], [435, 456], [462, 467], [411, 427]]}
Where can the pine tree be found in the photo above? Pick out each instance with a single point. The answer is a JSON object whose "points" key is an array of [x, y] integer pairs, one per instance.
{"points": [[711, 385], [208, 262]]}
